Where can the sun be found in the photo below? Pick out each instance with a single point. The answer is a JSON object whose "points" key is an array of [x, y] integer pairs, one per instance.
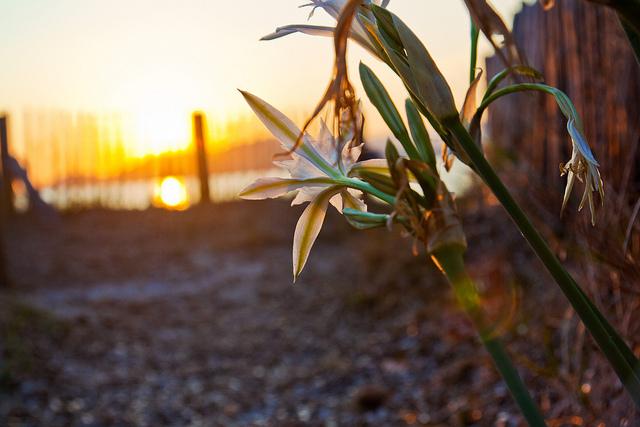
{"points": [[171, 193]]}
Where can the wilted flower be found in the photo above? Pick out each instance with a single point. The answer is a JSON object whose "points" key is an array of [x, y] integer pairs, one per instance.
{"points": [[319, 171], [490, 23], [583, 166]]}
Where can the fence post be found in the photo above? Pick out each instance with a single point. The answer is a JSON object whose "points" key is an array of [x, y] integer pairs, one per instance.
{"points": [[203, 172], [7, 191], [6, 195]]}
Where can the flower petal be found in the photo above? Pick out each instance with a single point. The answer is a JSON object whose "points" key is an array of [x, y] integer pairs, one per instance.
{"points": [[286, 132], [313, 30], [307, 194], [372, 165], [308, 227], [271, 187], [278, 124], [579, 141], [350, 200]]}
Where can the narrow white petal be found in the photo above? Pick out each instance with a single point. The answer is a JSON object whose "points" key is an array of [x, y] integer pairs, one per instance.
{"points": [[308, 193], [308, 227], [278, 124], [272, 187], [313, 30]]}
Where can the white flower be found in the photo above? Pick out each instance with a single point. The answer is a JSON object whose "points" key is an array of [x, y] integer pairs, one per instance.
{"points": [[583, 166], [358, 31], [319, 171]]}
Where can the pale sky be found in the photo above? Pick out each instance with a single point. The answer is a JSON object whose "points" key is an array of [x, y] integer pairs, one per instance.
{"points": [[178, 56]]}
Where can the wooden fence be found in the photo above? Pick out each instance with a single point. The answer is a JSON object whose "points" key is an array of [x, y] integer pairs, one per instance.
{"points": [[85, 160], [581, 49]]}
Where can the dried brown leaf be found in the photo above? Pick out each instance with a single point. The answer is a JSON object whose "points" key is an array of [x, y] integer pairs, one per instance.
{"points": [[547, 4], [490, 23], [340, 91]]}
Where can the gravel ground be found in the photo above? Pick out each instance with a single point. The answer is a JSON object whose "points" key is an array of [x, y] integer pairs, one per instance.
{"points": [[160, 318]]}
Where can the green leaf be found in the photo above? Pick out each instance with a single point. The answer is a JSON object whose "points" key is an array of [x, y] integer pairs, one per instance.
{"points": [[386, 27], [420, 134], [427, 178], [380, 98], [420, 73], [392, 156]]}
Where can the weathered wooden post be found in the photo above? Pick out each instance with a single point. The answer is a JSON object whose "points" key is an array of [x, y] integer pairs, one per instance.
{"points": [[6, 194], [7, 191], [203, 172]]}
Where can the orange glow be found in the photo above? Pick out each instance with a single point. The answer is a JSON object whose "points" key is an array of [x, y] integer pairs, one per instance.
{"points": [[576, 421], [161, 126], [171, 193]]}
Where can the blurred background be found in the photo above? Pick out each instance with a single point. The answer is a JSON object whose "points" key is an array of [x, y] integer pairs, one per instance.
{"points": [[99, 96], [136, 289]]}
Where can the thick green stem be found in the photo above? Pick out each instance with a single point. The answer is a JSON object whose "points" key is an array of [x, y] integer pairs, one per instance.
{"points": [[605, 336], [449, 259], [367, 188]]}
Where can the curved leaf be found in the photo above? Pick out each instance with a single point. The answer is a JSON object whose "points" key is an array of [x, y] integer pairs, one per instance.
{"points": [[420, 134], [380, 98]]}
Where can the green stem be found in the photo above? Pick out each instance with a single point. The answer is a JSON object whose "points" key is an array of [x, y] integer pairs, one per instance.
{"points": [[602, 332], [521, 87], [475, 34], [367, 188], [449, 258]]}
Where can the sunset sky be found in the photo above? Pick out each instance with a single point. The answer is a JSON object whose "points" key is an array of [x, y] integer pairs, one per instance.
{"points": [[163, 59]]}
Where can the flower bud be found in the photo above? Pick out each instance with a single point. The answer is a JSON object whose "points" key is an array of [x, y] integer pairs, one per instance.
{"points": [[414, 65]]}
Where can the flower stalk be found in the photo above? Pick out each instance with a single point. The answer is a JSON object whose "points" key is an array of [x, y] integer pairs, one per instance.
{"points": [[450, 261], [325, 170], [615, 350]]}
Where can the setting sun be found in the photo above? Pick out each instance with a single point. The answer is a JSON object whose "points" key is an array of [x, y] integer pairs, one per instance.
{"points": [[172, 194]]}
